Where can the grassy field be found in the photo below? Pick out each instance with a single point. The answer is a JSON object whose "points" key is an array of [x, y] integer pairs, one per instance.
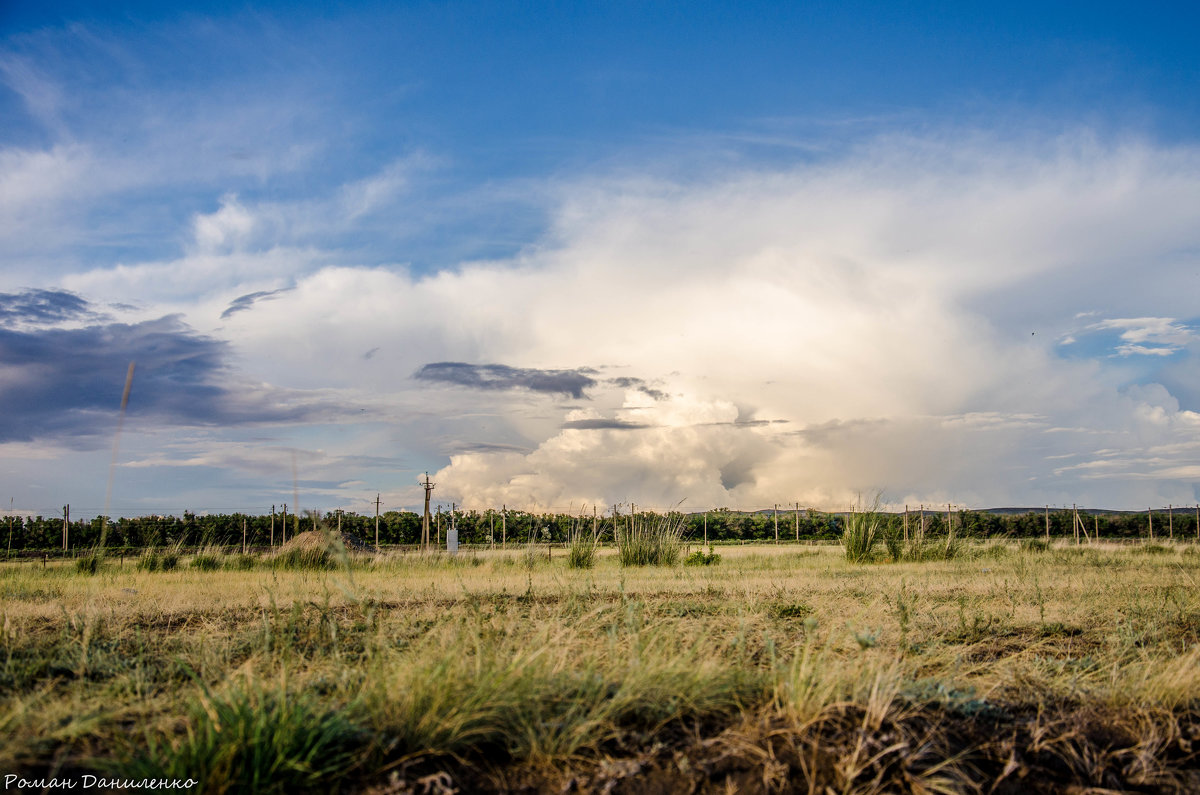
{"points": [[779, 668]]}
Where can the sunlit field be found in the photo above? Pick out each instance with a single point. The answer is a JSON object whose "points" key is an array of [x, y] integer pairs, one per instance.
{"points": [[1010, 668]]}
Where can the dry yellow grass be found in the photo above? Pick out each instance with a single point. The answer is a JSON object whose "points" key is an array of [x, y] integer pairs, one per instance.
{"points": [[790, 664]]}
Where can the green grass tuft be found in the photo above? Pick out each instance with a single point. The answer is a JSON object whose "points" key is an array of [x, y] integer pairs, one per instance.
{"points": [[254, 739], [90, 563], [863, 529], [581, 546], [207, 561], [650, 539], [241, 562], [299, 559]]}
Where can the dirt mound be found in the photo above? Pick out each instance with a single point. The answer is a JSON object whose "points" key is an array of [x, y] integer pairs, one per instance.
{"points": [[317, 539]]}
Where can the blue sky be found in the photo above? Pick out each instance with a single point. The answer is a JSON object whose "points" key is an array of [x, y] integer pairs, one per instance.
{"points": [[602, 253]]}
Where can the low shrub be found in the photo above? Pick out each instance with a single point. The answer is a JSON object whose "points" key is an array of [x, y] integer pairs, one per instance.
{"points": [[698, 558]]}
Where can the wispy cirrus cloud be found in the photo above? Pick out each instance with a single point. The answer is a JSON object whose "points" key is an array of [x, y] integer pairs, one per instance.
{"points": [[1149, 336]]}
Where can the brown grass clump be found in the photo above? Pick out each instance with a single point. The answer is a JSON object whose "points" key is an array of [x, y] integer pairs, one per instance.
{"points": [[317, 540], [317, 549]]}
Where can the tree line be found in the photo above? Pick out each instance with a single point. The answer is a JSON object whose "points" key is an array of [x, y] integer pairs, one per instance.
{"points": [[38, 533]]}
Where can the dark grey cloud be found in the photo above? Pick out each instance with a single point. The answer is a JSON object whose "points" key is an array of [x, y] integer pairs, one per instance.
{"points": [[67, 383], [487, 447], [603, 425], [746, 423], [501, 376], [627, 382], [244, 302], [42, 307]]}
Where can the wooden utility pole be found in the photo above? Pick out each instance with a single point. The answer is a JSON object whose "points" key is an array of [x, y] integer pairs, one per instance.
{"points": [[949, 528], [425, 519], [66, 527], [272, 525], [503, 526], [339, 510], [1047, 524], [376, 521], [1075, 522], [1079, 525]]}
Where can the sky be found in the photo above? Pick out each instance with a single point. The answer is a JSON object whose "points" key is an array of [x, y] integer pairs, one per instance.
{"points": [[564, 255]]}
